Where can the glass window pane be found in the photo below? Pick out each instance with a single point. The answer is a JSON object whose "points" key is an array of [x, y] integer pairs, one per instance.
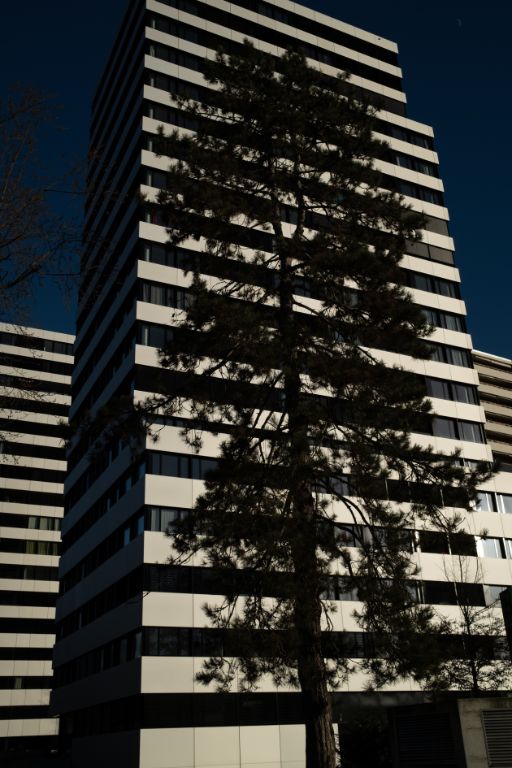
{"points": [[422, 282], [464, 393], [505, 502], [434, 542], [485, 502], [492, 592], [471, 431], [444, 427], [490, 548], [508, 548], [170, 465], [438, 388], [431, 316], [458, 356]]}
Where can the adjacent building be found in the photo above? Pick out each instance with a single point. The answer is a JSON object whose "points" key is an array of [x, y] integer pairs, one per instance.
{"points": [[131, 633], [35, 389], [495, 390]]}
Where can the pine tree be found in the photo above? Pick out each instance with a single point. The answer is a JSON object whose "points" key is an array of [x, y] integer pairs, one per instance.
{"points": [[286, 347]]}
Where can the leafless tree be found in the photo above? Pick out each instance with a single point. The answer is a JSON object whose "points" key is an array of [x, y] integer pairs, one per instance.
{"points": [[36, 239]]}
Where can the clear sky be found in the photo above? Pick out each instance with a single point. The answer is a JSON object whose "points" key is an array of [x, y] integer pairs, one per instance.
{"points": [[455, 55]]}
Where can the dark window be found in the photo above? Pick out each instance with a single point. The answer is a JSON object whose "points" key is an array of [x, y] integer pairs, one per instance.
{"points": [[433, 541], [438, 388], [443, 427], [471, 431]]}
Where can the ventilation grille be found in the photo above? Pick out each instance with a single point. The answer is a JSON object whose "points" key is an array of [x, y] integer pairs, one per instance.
{"points": [[497, 725], [425, 740]]}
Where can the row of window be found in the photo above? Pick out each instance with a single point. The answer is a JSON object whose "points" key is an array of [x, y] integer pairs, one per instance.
{"points": [[25, 547], [211, 581], [195, 642], [495, 547], [232, 21], [43, 682], [196, 63], [24, 384], [179, 465], [173, 296], [190, 90], [196, 467], [160, 179], [174, 117], [431, 252], [413, 163], [28, 341], [184, 711], [164, 295], [28, 572], [19, 496], [488, 501], [410, 189], [160, 336], [21, 653], [95, 468], [34, 406], [457, 429], [23, 712], [32, 474], [32, 522], [451, 390], [444, 353], [173, 85], [21, 597], [37, 363], [447, 320], [432, 284], [166, 519], [294, 20], [258, 240], [27, 626], [31, 449], [171, 256]]}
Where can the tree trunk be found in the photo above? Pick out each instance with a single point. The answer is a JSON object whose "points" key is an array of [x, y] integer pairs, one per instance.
{"points": [[320, 744], [311, 665]]}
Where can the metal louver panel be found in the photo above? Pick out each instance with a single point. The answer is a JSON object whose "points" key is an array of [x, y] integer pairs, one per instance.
{"points": [[497, 726], [425, 739]]}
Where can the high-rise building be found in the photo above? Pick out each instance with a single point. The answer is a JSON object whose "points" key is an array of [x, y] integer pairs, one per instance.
{"points": [[35, 392], [131, 630]]}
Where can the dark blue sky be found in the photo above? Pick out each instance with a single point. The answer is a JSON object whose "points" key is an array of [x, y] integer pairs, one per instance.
{"points": [[456, 62]]}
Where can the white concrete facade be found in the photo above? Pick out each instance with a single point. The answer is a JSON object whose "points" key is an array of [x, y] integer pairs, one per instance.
{"points": [[129, 644], [35, 382]]}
